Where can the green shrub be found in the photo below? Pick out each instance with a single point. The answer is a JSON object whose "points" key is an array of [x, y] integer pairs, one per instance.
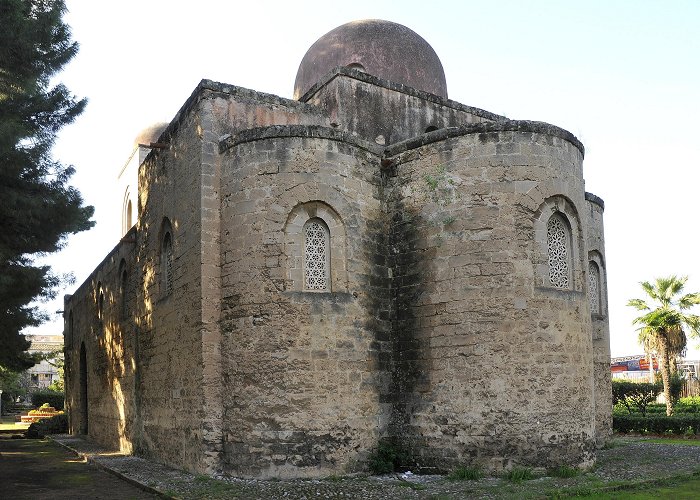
{"points": [[53, 398], [682, 423], [54, 425], [684, 405], [387, 457], [690, 404], [466, 474], [635, 396], [517, 474]]}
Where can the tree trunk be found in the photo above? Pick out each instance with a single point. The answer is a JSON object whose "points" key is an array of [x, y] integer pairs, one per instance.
{"points": [[665, 372]]}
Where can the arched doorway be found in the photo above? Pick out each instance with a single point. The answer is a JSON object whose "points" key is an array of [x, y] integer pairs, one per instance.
{"points": [[83, 391]]}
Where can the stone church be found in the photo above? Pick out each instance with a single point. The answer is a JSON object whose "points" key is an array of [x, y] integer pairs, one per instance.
{"points": [[299, 280]]}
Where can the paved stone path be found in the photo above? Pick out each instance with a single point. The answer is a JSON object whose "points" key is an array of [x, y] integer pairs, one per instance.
{"points": [[34, 469]]}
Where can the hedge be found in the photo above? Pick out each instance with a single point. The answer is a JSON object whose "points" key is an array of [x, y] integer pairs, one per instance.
{"points": [[640, 396], [53, 398], [657, 424]]}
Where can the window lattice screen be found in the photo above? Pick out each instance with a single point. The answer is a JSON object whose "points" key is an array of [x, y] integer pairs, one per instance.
{"points": [[315, 256], [558, 252], [168, 263], [594, 288]]}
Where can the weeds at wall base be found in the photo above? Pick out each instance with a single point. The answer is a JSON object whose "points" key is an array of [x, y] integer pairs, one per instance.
{"points": [[466, 474], [518, 474], [387, 457]]}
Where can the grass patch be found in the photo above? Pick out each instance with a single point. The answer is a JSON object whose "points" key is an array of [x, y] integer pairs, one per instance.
{"points": [[675, 442], [519, 474], [466, 474], [677, 488], [387, 457], [71, 477], [208, 487], [563, 471], [614, 443]]}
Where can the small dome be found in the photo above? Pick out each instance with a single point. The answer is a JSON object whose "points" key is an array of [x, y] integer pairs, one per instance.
{"points": [[380, 48], [150, 134]]}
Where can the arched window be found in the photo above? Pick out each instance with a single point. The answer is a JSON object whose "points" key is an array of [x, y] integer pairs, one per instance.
{"points": [[316, 255], [100, 302], [315, 249], [596, 284], [127, 212], [123, 276], [559, 251], [166, 263], [129, 220]]}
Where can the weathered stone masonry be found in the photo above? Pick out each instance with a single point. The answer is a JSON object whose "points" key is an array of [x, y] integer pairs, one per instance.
{"points": [[435, 321]]}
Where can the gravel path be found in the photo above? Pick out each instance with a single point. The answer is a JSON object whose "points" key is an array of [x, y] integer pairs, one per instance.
{"points": [[627, 459]]}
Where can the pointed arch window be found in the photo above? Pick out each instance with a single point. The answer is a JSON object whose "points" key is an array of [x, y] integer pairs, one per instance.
{"points": [[127, 212], [559, 251], [316, 255], [594, 287], [166, 258], [166, 262], [129, 215], [100, 302], [123, 277]]}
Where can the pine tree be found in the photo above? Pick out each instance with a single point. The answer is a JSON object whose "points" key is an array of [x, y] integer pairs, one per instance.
{"points": [[38, 208]]}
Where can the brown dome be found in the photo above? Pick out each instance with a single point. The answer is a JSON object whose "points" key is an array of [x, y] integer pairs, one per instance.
{"points": [[381, 48], [150, 134]]}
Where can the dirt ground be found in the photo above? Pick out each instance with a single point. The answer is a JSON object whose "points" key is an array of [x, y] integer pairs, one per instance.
{"points": [[32, 469]]}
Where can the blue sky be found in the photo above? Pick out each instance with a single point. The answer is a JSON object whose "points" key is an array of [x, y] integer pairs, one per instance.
{"points": [[622, 76]]}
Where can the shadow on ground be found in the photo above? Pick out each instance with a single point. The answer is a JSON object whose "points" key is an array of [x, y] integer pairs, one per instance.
{"points": [[33, 469]]}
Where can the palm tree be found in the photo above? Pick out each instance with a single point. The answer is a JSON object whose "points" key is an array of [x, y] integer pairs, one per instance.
{"points": [[663, 322]]}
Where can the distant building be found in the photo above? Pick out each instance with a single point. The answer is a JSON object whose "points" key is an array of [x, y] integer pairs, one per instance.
{"points": [[690, 368], [636, 367], [41, 375]]}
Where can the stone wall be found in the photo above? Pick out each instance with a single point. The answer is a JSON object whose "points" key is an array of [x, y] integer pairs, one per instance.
{"points": [[149, 386], [300, 367], [599, 320], [182, 370], [387, 112], [171, 362], [493, 367], [108, 338]]}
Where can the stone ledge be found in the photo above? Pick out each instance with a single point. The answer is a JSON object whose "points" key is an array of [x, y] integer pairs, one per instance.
{"points": [[480, 128], [303, 131], [595, 199], [233, 90]]}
